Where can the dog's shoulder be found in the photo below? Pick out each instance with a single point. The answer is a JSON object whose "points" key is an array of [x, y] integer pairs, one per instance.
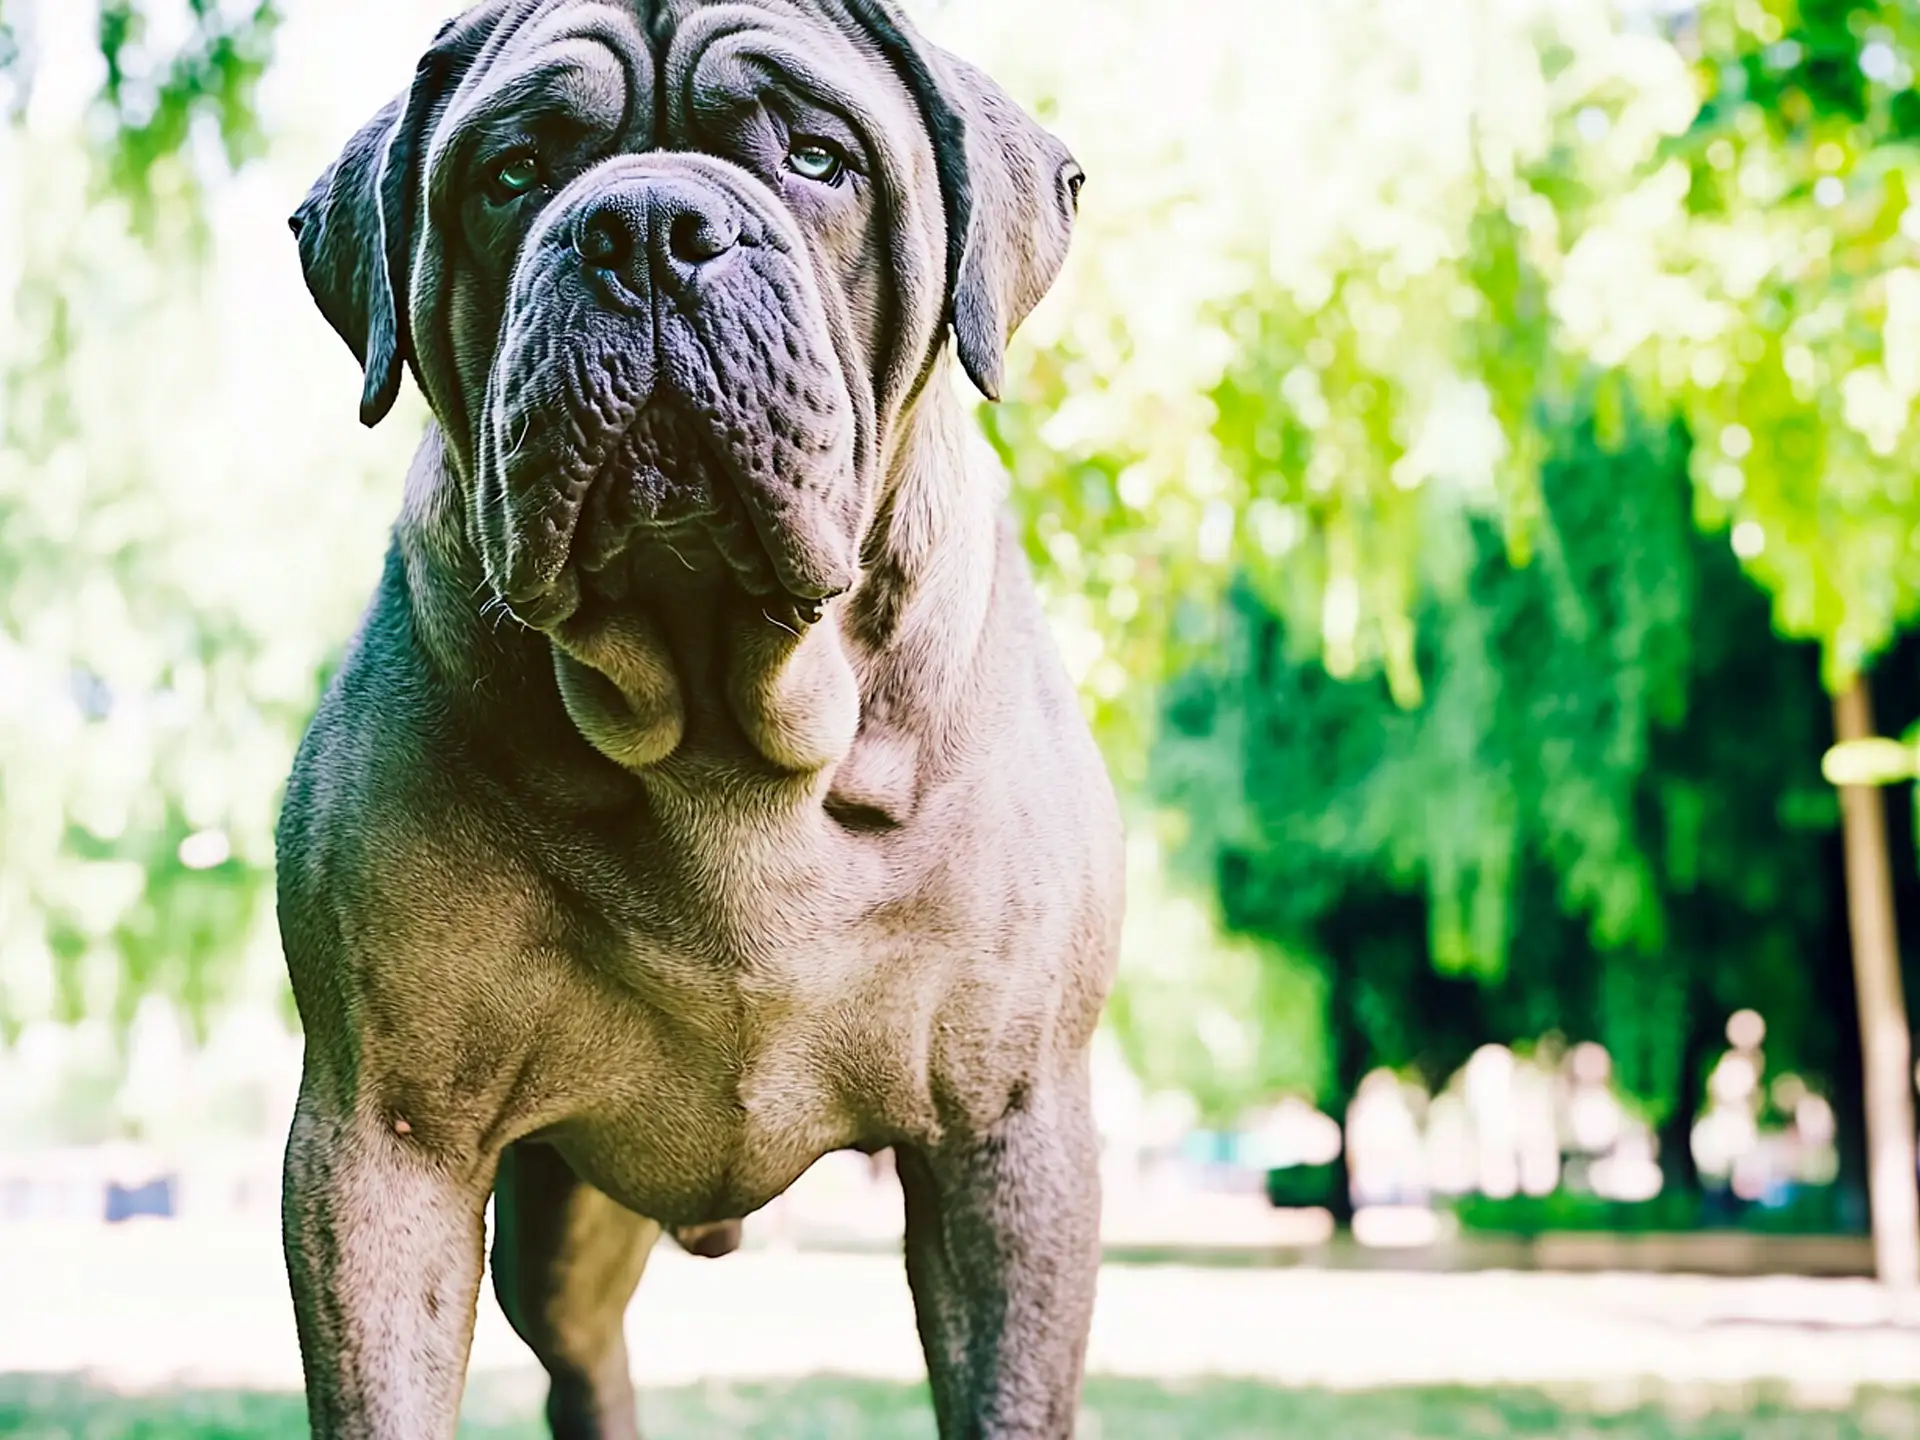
{"points": [[382, 768], [376, 713]]}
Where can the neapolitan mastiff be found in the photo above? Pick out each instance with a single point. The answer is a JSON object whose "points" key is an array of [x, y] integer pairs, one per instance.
{"points": [[702, 793]]}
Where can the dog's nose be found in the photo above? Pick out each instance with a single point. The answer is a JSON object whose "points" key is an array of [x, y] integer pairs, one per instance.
{"points": [[663, 230]]}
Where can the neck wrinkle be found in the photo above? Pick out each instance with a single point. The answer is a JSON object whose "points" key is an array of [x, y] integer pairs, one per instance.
{"points": [[468, 637], [921, 611]]}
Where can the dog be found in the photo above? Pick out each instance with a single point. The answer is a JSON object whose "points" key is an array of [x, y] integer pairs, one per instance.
{"points": [[702, 792]]}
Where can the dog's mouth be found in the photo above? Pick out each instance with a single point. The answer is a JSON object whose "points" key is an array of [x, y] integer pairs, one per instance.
{"points": [[667, 500], [668, 496]]}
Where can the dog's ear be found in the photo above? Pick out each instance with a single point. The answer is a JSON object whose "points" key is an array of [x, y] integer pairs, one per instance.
{"points": [[1010, 188], [356, 229]]}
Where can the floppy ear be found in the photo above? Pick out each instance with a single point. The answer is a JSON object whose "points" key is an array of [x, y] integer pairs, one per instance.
{"points": [[356, 231], [1010, 189]]}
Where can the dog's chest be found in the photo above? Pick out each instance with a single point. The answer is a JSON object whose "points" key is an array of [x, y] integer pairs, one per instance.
{"points": [[755, 1009], [719, 918], [704, 1106]]}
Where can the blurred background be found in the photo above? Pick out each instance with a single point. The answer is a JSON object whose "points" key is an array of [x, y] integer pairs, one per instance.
{"points": [[1471, 464]]}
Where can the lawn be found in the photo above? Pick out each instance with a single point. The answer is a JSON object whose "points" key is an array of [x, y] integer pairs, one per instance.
{"points": [[42, 1409]]}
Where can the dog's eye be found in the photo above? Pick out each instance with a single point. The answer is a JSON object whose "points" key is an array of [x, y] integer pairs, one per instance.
{"points": [[1076, 177], [515, 176], [817, 161]]}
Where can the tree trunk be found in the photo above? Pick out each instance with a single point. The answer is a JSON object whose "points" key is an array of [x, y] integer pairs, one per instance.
{"points": [[1680, 1173], [1837, 1022], [1348, 1062], [1886, 1045]]}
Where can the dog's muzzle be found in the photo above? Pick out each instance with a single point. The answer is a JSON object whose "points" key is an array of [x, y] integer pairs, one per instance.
{"points": [[666, 372]]}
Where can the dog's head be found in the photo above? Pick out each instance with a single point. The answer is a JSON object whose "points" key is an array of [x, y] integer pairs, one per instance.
{"points": [[669, 270]]}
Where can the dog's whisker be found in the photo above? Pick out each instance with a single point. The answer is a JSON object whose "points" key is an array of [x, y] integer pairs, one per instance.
{"points": [[781, 624], [499, 612]]}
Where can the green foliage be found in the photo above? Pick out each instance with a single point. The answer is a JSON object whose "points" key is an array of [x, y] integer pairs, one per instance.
{"points": [[1543, 686], [154, 95], [151, 102], [1713, 219], [136, 664], [157, 662], [1584, 814], [1809, 1212], [1304, 359], [1705, 218], [1777, 233]]}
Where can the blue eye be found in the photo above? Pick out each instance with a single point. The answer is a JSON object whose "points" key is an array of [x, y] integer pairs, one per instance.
{"points": [[516, 176], [817, 161]]}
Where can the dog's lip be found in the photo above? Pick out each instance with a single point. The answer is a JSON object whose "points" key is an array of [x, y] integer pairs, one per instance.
{"points": [[552, 587], [799, 585], [552, 597], [546, 605]]}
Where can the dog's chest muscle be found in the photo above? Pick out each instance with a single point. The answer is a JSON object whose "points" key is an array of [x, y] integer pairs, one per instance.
{"points": [[747, 998]]}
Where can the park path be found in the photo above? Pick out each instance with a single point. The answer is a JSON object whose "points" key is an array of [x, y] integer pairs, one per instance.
{"points": [[204, 1305]]}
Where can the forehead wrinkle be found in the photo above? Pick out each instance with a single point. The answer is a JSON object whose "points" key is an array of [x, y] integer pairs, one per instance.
{"points": [[534, 41], [783, 61], [570, 86], [581, 74]]}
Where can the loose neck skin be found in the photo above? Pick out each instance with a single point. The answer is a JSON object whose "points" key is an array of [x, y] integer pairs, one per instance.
{"points": [[904, 646]]}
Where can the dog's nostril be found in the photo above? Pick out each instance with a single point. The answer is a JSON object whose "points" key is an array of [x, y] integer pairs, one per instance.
{"points": [[603, 241], [696, 238], [655, 233]]}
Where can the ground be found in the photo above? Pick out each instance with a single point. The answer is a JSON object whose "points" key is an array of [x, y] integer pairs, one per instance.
{"points": [[1116, 1410], [170, 1331]]}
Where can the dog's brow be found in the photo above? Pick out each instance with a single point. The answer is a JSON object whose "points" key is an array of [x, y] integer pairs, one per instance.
{"points": [[547, 92], [788, 80]]}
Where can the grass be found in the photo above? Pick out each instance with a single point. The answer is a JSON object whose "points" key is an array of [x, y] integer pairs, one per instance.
{"points": [[42, 1408]]}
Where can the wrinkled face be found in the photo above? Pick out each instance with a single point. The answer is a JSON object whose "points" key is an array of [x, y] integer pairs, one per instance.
{"points": [[669, 274]]}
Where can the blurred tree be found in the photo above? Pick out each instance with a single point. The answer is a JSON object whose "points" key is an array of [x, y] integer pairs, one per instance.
{"points": [[1772, 244], [154, 678], [162, 81], [155, 667], [1706, 202], [109, 896], [1599, 822], [1378, 285]]}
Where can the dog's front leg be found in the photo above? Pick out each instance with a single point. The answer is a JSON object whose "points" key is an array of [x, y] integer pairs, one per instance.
{"points": [[1003, 1252], [383, 1244]]}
